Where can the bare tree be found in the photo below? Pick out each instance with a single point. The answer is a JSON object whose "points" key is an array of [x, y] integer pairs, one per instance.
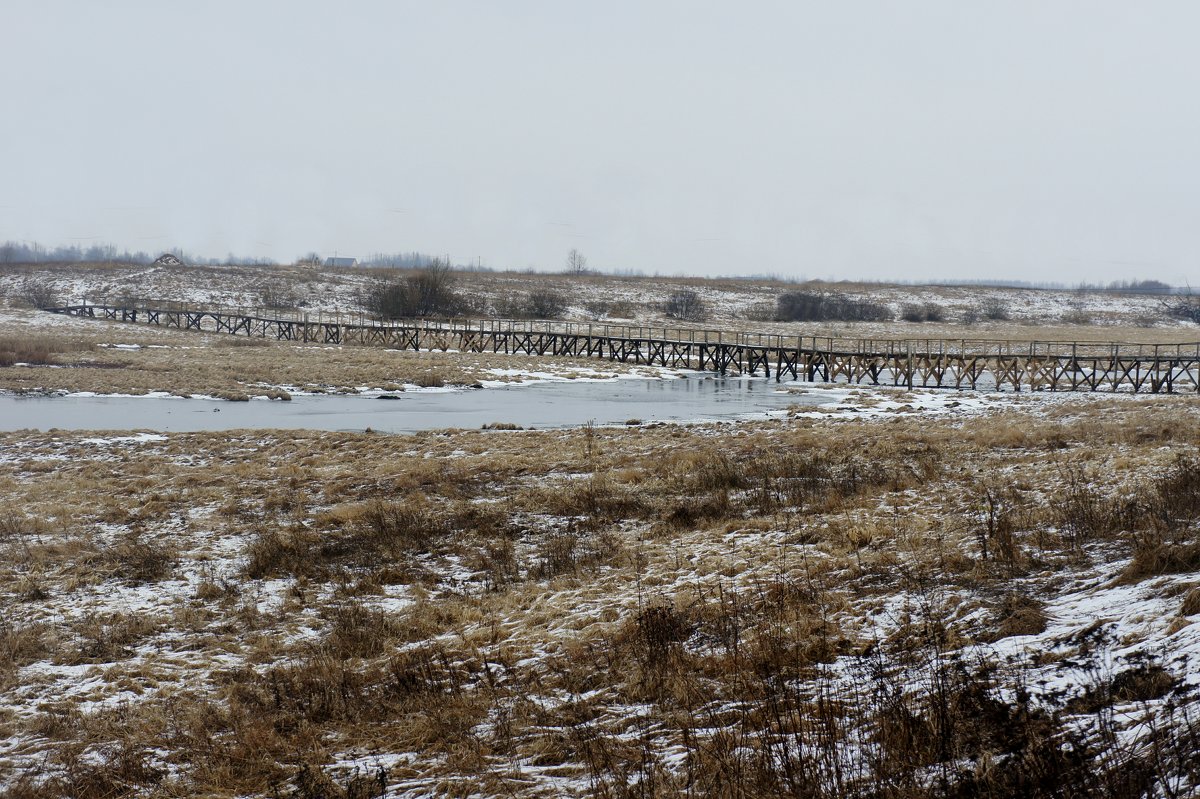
{"points": [[1183, 306], [576, 262]]}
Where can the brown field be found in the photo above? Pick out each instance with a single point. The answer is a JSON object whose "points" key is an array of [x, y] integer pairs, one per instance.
{"points": [[120, 358]]}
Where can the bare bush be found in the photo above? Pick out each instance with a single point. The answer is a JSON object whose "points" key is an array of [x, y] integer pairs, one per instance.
{"points": [[37, 293], [1077, 314], [279, 296], [922, 312], [596, 309], [686, 305], [547, 304], [275, 553], [995, 309], [428, 292], [536, 304], [815, 306], [1185, 307], [357, 631], [934, 312], [109, 637], [996, 535]]}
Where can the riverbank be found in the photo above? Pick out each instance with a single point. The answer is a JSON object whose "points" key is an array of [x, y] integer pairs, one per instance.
{"points": [[77, 355]]}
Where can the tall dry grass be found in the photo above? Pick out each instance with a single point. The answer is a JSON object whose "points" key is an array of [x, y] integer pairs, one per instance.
{"points": [[766, 610]]}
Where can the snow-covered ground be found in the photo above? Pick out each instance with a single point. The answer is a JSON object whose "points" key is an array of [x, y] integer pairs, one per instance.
{"points": [[727, 301]]}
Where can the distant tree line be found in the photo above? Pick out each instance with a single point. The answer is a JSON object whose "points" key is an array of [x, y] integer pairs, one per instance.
{"points": [[403, 260], [32, 252], [1139, 286]]}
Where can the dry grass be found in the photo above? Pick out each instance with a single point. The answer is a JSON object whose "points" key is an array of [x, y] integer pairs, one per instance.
{"points": [[1019, 614], [38, 350], [211, 365], [814, 608], [1191, 603]]}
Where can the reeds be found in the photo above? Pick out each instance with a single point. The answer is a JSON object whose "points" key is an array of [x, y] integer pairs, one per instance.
{"points": [[37, 350]]}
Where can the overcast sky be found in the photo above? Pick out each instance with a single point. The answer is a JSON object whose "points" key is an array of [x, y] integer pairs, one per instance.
{"points": [[1041, 140]]}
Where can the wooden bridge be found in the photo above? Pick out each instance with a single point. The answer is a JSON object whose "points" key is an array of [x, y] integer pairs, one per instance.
{"points": [[928, 363]]}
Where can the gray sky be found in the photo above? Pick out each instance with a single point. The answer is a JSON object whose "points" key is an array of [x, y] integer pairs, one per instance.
{"points": [[1041, 140]]}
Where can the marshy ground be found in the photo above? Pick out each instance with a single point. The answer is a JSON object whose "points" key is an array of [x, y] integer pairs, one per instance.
{"points": [[999, 599], [815, 607], [58, 354]]}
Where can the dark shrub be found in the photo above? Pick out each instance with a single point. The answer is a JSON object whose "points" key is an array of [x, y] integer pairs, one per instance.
{"points": [[922, 312], [811, 306], [685, 304], [428, 292]]}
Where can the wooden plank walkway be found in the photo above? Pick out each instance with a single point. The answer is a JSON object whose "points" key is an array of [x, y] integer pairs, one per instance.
{"points": [[926, 363]]}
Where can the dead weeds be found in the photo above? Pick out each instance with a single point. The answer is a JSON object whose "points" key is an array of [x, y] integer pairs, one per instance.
{"points": [[771, 610]]}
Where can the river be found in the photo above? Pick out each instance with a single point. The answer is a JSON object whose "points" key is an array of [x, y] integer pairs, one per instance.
{"points": [[538, 405]]}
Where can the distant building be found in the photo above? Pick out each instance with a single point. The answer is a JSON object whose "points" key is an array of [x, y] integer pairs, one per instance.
{"points": [[341, 262], [167, 259]]}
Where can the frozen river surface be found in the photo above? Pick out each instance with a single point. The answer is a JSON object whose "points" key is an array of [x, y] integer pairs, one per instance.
{"points": [[551, 404]]}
